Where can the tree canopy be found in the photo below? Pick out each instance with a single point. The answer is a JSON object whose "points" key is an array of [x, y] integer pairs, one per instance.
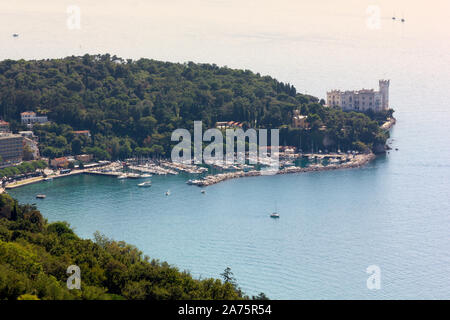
{"points": [[132, 107]]}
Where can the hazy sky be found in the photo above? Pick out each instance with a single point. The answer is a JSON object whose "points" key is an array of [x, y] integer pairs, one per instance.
{"points": [[169, 21], [284, 38]]}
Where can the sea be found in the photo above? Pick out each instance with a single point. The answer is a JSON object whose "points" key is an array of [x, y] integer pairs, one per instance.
{"points": [[335, 227]]}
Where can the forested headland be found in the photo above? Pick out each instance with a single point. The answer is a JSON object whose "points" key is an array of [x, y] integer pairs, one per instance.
{"points": [[132, 107], [35, 255]]}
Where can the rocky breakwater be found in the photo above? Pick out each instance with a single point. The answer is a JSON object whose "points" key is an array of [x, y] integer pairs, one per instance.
{"points": [[213, 179], [356, 162], [353, 162]]}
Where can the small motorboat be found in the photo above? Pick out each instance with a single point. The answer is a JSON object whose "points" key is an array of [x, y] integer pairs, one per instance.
{"points": [[168, 193], [122, 176], [48, 179], [145, 184], [146, 175], [203, 191], [40, 196], [274, 214]]}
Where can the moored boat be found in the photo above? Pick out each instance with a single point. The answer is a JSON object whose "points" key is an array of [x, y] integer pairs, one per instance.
{"points": [[145, 184], [275, 214]]}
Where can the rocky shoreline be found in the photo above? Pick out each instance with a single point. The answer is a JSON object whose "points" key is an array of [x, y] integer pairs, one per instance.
{"points": [[389, 124]]}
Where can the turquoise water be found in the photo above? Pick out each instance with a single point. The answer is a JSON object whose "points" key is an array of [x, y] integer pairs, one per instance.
{"points": [[394, 213]]}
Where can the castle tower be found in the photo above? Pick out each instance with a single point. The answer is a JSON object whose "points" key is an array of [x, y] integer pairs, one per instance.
{"points": [[384, 91]]}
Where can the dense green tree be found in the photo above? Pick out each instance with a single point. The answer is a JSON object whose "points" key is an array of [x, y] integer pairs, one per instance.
{"points": [[129, 105], [228, 276], [23, 168], [76, 146]]}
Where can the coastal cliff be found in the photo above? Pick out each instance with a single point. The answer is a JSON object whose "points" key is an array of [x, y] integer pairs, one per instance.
{"points": [[383, 147]]}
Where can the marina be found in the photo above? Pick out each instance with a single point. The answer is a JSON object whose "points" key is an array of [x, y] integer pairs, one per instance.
{"points": [[188, 168], [353, 161], [119, 170], [153, 169]]}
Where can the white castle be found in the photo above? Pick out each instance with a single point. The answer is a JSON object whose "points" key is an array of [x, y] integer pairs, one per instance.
{"points": [[361, 100]]}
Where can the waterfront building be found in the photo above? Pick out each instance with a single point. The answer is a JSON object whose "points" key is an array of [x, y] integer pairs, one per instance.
{"points": [[11, 148], [84, 157], [59, 162], [4, 126], [30, 117], [361, 100]]}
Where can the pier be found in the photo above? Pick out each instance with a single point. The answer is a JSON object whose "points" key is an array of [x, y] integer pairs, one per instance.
{"points": [[189, 168], [164, 167], [104, 173], [153, 169], [355, 162], [25, 182]]}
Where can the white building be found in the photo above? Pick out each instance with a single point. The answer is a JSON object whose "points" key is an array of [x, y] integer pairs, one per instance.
{"points": [[362, 100], [30, 117], [4, 126]]}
